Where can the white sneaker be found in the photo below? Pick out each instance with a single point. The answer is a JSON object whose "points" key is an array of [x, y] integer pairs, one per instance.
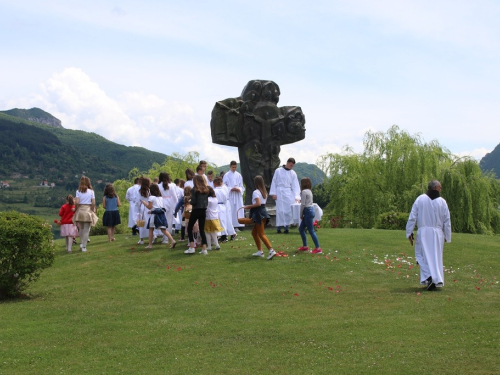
{"points": [[165, 240], [191, 250], [84, 249], [209, 248], [81, 245], [141, 242], [204, 252], [259, 253], [272, 253]]}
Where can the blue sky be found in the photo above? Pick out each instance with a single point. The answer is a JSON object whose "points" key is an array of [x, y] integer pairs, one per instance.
{"points": [[148, 73]]}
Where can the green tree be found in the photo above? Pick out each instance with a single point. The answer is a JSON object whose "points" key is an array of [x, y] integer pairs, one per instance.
{"points": [[394, 169]]}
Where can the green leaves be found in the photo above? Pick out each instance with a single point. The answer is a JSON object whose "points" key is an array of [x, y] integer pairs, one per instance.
{"points": [[394, 168], [26, 248]]}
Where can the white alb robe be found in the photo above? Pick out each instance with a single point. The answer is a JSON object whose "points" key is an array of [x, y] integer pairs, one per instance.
{"points": [[170, 199], [222, 196], [434, 227], [132, 196], [285, 186], [234, 180], [178, 218], [229, 228]]}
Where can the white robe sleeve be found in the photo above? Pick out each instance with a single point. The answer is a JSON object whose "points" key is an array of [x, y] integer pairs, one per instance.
{"points": [[412, 219], [295, 186]]}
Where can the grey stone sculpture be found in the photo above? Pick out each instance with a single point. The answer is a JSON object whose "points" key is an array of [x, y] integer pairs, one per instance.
{"points": [[258, 127]]}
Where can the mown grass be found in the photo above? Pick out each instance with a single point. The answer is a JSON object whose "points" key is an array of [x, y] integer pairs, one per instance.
{"points": [[357, 309]]}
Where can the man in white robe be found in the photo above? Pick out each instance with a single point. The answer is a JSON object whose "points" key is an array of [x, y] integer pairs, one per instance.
{"points": [[234, 182], [133, 198], [285, 190], [430, 213]]}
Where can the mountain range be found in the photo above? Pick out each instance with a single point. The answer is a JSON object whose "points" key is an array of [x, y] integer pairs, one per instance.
{"points": [[44, 149], [34, 144]]}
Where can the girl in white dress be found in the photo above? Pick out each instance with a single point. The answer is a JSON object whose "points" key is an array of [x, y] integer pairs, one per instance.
{"points": [[157, 219]]}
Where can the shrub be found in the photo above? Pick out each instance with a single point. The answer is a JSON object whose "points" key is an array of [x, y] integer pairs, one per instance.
{"points": [[26, 248], [392, 220]]}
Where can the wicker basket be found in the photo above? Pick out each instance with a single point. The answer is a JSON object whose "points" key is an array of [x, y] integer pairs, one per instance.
{"points": [[140, 223], [243, 220]]}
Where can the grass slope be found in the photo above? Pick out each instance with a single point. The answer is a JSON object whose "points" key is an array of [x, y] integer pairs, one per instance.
{"points": [[357, 309]]}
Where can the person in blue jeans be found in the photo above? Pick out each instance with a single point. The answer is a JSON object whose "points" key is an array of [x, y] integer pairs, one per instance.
{"points": [[307, 216]]}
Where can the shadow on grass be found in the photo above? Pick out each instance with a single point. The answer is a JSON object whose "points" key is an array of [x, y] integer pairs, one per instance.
{"points": [[414, 290], [244, 259]]}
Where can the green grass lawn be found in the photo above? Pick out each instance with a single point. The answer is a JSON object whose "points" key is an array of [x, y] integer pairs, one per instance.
{"points": [[356, 309]]}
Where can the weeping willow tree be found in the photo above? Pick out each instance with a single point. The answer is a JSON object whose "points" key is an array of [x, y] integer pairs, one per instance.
{"points": [[394, 168]]}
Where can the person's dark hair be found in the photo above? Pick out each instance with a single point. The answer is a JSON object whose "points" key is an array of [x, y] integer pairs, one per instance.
{"points": [[217, 181], [176, 181], [200, 185], [199, 168], [71, 200], [189, 174], [164, 178], [136, 180], [305, 183], [181, 183], [260, 185], [291, 160], [187, 191], [209, 173], [109, 191], [155, 190], [211, 192], [202, 162], [145, 185], [233, 163]]}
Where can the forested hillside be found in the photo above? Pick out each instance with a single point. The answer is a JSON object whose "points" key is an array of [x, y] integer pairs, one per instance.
{"points": [[34, 115], [45, 151], [491, 162]]}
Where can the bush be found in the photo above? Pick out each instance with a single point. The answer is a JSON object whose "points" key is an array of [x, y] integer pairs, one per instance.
{"points": [[26, 248], [392, 220]]}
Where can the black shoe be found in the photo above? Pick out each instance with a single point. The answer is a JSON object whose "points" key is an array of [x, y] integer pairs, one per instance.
{"points": [[286, 231], [278, 231], [223, 238], [431, 286], [233, 237]]}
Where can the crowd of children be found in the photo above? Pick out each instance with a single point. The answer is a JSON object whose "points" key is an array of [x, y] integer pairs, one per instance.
{"points": [[205, 208]]}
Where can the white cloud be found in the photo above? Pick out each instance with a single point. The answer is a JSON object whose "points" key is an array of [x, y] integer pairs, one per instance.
{"points": [[132, 119], [477, 154]]}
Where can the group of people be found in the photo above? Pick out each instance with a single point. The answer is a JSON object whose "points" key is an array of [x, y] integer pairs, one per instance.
{"points": [[209, 209]]}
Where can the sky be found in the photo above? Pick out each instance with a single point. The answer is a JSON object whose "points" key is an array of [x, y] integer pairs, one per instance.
{"points": [[148, 73]]}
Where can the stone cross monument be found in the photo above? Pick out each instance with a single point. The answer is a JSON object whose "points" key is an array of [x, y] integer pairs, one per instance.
{"points": [[258, 127]]}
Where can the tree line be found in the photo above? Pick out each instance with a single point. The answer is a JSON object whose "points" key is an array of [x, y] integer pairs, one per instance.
{"points": [[394, 168]]}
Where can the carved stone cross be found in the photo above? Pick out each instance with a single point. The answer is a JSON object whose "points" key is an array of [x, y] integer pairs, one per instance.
{"points": [[258, 127]]}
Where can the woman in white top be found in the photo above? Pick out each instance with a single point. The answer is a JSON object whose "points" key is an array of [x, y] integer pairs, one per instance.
{"points": [[260, 217], [85, 206], [307, 216]]}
